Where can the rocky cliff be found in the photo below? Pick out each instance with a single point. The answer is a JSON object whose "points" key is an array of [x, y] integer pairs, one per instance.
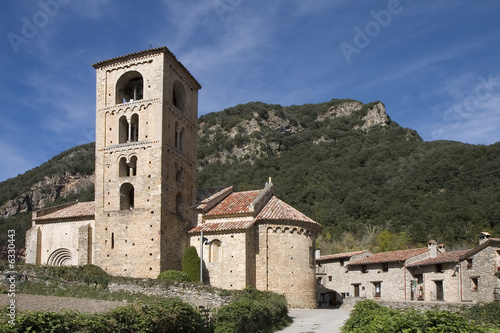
{"points": [[45, 192]]}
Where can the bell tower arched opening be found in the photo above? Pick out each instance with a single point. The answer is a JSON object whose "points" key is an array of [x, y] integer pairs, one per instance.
{"points": [[129, 87], [179, 96]]}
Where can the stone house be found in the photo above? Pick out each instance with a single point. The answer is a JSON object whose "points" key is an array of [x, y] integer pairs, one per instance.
{"points": [[383, 275], [437, 277], [331, 273], [480, 271], [430, 274], [147, 209]]}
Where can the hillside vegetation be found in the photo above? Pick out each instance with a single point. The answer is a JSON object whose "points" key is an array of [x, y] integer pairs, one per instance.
{"points": [[370, 182]]}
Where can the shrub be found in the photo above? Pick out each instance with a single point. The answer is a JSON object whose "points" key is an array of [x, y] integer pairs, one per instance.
{"points": [[368, 316], [486, 313], [168, 315], [253, 311], [171, 275], [191, 263]]}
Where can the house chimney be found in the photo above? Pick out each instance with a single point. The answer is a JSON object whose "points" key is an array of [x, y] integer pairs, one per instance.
{"points": [[432, 246], [441, 248], [483, 237]]}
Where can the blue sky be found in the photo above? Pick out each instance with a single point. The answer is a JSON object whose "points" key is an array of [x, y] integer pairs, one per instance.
{"points": [[434, 64]]}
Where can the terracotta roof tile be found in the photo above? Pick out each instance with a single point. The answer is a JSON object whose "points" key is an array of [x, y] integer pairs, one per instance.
{"points": [[77, 210], [222, 226], [235, 203], [203, 197], [392, 256], [275, 209], [441, 258], [340, 255]]}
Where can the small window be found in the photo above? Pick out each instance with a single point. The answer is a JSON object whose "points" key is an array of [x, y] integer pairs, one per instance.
{"points": [[134, 128], [385, 267], [122, 130], [475, 283], [469, 263], [378, 289], [179, 175], [319, 280], [341, 262], [329, 278], [126, 197], [178, 204], [364, 269]]}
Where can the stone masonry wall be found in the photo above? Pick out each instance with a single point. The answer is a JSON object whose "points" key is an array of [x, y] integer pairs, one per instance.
{"points": [[483, 268], [285, 263]]}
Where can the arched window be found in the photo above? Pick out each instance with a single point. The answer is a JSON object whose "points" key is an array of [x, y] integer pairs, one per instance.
{"points": [[181, 140], [179, 96], [127, 197], [134, 128], [132, 166], [178, 204], [124, 169], [129, 87], [128, 169], [179, 175], [123, 130], [215, 249]]}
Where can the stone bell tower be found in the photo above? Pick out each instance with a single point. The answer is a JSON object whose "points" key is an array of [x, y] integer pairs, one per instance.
{"points": [[146, 130]]}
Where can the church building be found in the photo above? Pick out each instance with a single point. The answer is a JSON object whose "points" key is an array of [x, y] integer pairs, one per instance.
{"points": [[147, 209]]}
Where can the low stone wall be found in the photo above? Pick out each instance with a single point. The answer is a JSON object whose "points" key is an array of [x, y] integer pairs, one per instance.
{"points": [[350, 302], [424, 306], [196, 296]]}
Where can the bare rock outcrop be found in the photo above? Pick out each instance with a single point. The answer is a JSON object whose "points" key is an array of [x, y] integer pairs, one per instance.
{"points": [[46, 191]]}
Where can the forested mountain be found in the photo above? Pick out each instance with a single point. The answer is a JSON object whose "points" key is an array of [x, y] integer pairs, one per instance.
{"points": [[370, 182]]}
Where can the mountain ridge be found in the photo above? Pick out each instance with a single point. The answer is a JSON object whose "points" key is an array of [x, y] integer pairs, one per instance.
{"points": [[345, 164]]}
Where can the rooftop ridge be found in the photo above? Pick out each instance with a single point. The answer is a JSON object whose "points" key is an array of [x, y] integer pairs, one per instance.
{"points": [[154, 50]]}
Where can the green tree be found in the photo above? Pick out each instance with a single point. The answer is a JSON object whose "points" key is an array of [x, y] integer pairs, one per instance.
{"points": [[191, 263]]}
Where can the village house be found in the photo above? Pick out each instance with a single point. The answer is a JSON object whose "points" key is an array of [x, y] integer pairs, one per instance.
{"points": [[435, 278], [480, 271], [383, 275], [147, 209], [425, 274], [331, 272]]}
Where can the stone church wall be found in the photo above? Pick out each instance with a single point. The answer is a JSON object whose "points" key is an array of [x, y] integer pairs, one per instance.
{"points": [[67, 241]]}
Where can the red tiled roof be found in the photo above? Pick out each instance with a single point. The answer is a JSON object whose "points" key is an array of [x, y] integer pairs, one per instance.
{"points": [[204, 197], [340, 255], [235, 203], [77, 210], [441, 258], [392, 256], [275, 209], [222, 226]]}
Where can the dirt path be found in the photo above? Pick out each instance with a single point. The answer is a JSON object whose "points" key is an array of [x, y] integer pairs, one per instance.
{"points": [[25, 302], [316, 320]]}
